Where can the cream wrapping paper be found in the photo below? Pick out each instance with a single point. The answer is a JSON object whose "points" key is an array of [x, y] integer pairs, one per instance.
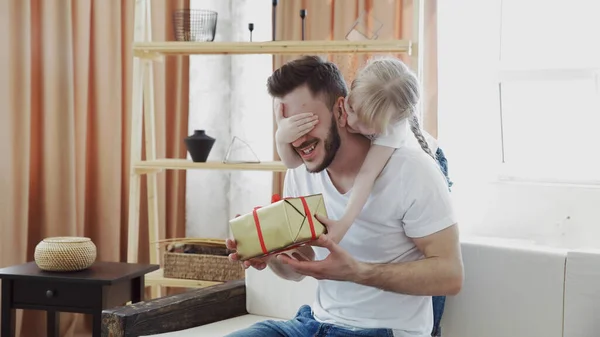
{"points": [[282, 225]]}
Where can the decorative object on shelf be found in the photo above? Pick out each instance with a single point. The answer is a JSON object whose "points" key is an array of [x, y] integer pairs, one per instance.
{"points": [[65, 253], [197, 25], [284, 224], [302, 16], [199, 145], [200, 259], [240, 152], [366, 27], [250, 28], [274, 19]]}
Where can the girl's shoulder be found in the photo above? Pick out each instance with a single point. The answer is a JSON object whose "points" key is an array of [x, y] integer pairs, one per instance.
{"points": [[396, 136]]}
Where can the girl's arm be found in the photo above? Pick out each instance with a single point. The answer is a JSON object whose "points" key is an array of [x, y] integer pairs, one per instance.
{"points": [[376, 159]]}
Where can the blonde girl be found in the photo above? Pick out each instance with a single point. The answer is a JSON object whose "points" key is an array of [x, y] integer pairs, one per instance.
{"points": [[382, 106]]}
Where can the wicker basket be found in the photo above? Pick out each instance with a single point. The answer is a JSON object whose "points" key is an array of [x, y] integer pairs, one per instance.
{"points": [[206, 261], [65, 254]]}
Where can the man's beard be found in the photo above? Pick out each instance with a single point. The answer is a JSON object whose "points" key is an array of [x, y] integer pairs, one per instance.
{"points": [[331, 147]]}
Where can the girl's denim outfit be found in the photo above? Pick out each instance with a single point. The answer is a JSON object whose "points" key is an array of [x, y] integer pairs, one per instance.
{"points": [[439, 302]]}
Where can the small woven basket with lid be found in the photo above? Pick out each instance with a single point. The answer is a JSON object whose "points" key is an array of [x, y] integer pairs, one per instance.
{"points": [[65, 253]]}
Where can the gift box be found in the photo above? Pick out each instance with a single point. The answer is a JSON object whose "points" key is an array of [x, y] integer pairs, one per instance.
{"points": [[283, 224]]}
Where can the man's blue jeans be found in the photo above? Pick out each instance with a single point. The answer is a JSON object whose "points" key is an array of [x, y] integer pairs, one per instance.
{"points": [[305, 325]]}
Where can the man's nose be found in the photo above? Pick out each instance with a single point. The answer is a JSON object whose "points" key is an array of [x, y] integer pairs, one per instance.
{"points": [[299, 141]]}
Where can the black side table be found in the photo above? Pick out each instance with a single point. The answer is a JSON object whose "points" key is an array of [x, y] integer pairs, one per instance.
{"points": [[104, 285]]}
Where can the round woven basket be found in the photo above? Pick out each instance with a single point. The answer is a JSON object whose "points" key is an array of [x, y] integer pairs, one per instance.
{"points": [[65, 253]]}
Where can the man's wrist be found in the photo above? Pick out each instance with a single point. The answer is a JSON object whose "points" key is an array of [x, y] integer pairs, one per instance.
{"points": [[281, 143], [362, 273], [279, 136]]}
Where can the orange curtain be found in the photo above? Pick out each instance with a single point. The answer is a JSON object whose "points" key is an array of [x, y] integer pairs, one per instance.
{"points": [[332, 19], [65, 131]]}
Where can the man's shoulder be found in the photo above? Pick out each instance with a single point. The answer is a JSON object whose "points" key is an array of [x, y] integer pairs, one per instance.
{"points": [[412, 163], [408, 157]]}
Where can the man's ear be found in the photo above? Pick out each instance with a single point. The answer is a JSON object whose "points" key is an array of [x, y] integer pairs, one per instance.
{"points": [[340, 112]]}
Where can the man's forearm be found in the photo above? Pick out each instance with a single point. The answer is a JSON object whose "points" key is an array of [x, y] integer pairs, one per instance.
{"points": [[433, 276]]}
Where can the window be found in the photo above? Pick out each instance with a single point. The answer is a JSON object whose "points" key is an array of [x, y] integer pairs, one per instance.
{"points": [[537, 69], [548, 89]]}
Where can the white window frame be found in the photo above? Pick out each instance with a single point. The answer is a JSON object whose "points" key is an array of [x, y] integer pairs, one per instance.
{"points": [[512, 172]]}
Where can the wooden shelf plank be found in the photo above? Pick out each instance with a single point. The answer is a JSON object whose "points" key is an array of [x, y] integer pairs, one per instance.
{"points": [[142, 167], [151, 49], [156, 278]]}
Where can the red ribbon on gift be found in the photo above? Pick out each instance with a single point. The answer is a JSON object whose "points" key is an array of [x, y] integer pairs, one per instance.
{"points": [[275, 198]]}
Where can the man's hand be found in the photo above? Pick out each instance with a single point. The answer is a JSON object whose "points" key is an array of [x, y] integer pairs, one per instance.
{"points": [[292, 128], [339, 265], [304, 253], [258, 263]]}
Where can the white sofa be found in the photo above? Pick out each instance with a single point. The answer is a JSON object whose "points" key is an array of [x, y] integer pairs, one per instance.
{"points": [[511, 288]]}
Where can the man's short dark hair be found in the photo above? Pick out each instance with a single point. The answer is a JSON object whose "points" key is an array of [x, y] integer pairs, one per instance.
{"points": [[323, 79]]}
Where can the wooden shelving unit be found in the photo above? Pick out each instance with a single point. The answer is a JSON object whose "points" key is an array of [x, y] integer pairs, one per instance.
{"points": [[157, 165], [146, 51], [153, 49]]}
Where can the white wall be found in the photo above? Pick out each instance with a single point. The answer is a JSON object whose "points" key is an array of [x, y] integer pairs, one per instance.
{"points": [[228, 98], [558, 215]]}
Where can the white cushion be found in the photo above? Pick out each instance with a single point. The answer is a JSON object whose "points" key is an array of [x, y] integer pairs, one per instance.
{"points": [[269, 295], [510, 289], [217, 329], [582, 294]]}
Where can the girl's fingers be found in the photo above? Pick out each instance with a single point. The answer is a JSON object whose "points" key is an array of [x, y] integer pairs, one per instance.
{"points": [[305, 115], [308, 120], [307, 123], [304, 129]]}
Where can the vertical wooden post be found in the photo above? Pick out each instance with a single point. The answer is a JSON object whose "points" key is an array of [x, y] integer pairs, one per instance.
{"points": [[143, 114], [151, 178], [137, 110], [418, 51]]}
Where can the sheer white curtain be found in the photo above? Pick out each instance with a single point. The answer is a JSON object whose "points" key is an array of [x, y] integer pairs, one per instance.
{"points": [[228, 98]]}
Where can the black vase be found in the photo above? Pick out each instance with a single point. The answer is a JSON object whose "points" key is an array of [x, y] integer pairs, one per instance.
{"points": [[199, 145]]}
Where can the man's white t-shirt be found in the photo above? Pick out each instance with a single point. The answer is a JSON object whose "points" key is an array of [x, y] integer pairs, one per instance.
{"points": [[410, 199]]}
